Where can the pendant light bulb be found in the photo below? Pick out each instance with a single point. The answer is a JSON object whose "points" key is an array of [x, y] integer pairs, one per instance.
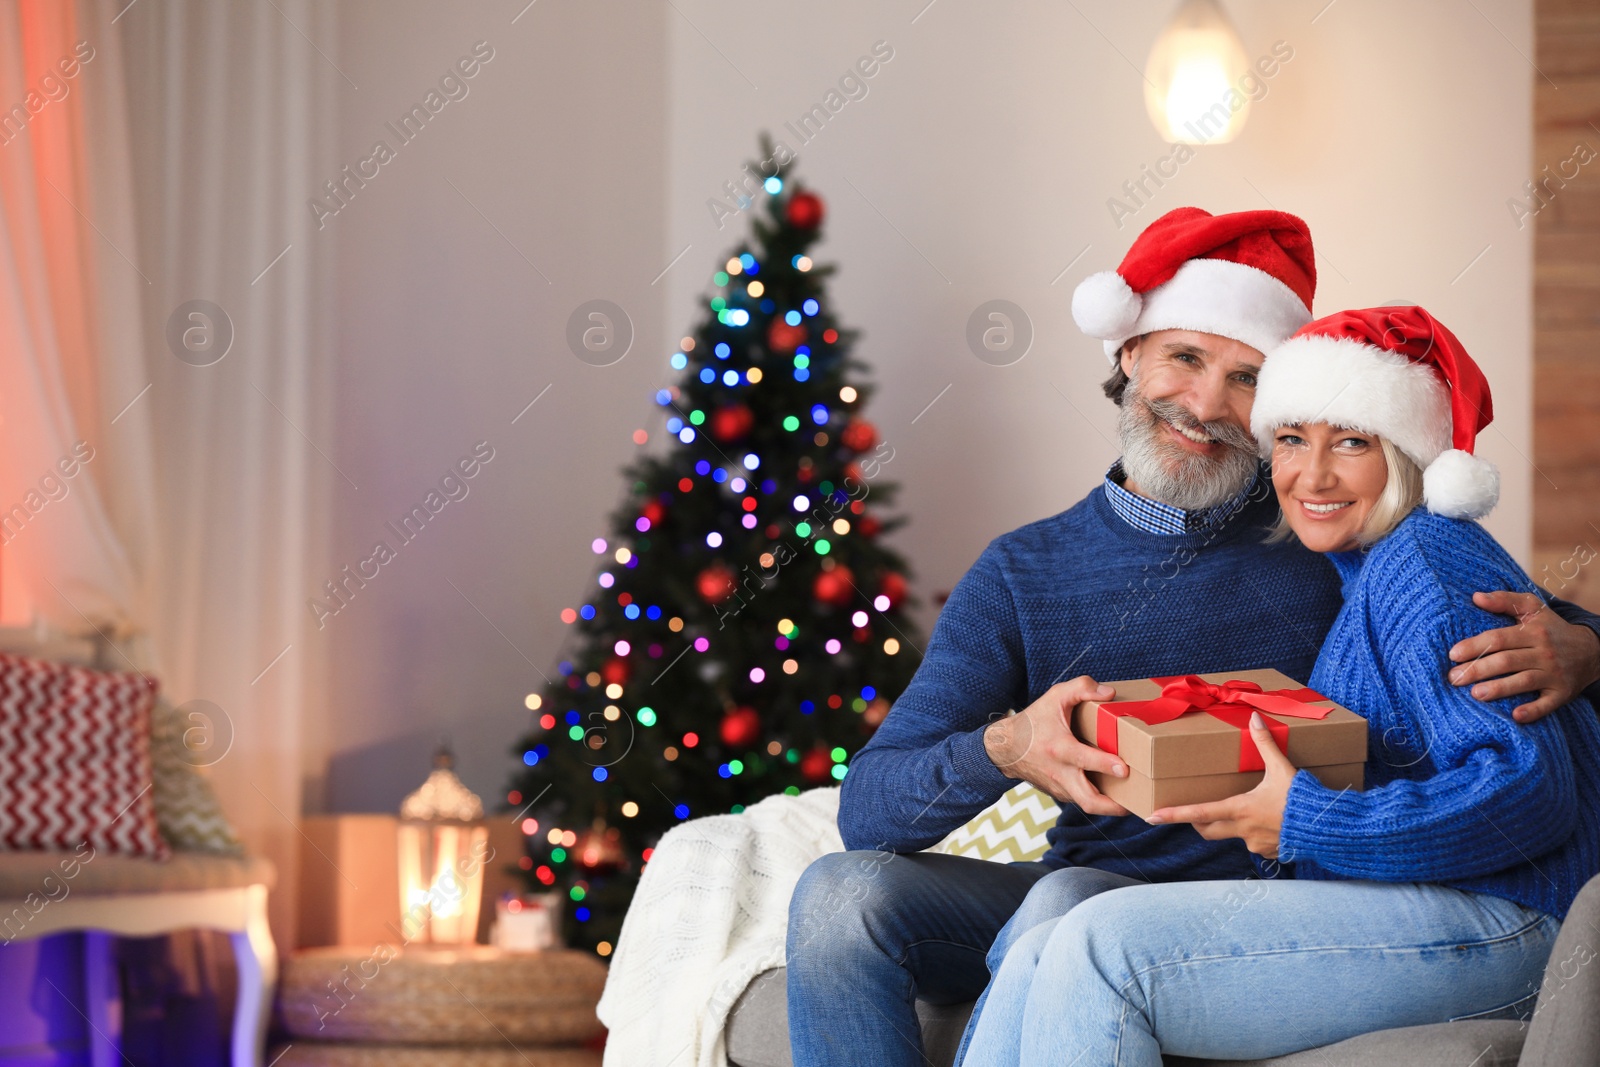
{"points": [[1192, 77]]}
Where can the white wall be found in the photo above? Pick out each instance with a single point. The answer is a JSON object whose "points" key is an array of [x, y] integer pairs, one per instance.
{"points": [[989, 145], [446, 332], [992, 142]]}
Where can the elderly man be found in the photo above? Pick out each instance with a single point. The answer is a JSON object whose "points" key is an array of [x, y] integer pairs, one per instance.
{"points": [[1163, 569]]}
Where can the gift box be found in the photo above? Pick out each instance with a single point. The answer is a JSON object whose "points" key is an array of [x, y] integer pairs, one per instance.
{"points": [[1186, 739]]}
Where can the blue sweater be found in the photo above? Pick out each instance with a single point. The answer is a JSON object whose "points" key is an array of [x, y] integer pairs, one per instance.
{"points": [[1083, 592], [1456, 792]]}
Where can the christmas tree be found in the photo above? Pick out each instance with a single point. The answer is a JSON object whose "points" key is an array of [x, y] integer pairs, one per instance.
{"points": [[747, 629]]}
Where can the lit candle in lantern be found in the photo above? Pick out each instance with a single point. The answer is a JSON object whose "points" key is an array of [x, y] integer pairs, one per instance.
{"points": [[443, 846]]}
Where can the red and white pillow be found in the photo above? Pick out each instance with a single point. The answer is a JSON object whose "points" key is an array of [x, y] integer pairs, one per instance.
{"points": [[75, 759]]}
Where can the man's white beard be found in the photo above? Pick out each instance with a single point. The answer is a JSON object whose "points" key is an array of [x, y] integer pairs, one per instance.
{"points": [[1167, 471]]}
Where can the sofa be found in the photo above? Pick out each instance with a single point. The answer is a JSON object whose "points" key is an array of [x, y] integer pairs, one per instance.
{"points": [[1564, 1029]]}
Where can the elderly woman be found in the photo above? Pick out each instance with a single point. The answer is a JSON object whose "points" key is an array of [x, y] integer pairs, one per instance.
{"points": [[1434, 894]]}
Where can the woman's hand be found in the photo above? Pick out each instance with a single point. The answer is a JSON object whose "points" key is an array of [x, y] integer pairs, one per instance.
{"points": [[1256, 816]]}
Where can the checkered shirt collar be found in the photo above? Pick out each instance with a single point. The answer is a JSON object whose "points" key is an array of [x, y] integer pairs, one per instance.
{"points": [[1153, 516]]}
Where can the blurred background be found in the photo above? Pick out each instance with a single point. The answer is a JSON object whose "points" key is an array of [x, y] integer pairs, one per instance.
{"points": [[380, 329]]}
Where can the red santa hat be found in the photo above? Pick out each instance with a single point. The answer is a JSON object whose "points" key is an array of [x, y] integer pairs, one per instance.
{"points": [[1395, 372], [1249, 275]]}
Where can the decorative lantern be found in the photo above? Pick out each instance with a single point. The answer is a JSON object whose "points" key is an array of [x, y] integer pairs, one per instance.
{"points": [[444, 844], [1193, 76]]}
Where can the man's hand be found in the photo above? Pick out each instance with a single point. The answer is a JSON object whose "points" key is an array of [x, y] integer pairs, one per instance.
{"points": [[1256, 816], [1540, 653], [1037, 745]]}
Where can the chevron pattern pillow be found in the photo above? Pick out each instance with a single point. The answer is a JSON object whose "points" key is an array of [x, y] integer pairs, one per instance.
{"points": [[1009, 830], [75, 759], [187, 810]]}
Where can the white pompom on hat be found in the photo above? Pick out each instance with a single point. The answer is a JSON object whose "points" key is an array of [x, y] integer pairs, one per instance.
{"points": [[1396, 372], [1248, 275], [1104, 306]]}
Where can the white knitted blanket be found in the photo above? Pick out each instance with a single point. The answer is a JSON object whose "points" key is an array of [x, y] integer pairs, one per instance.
{"points": [[710, 913]]}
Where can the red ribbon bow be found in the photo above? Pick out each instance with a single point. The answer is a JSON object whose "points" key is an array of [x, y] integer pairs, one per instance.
{"points": [[1232, 702]]}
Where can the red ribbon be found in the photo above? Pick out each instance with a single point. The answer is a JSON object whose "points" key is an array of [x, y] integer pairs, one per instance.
{"points": [[1232, 702]]}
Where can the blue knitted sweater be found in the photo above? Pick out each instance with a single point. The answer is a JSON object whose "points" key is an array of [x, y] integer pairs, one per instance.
{"points": [[1456, 792], [1083, 592]]}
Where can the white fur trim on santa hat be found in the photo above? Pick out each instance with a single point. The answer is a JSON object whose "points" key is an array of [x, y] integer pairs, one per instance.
{"points": [[1205, 295], [1225, 298], [1460, 485], [1346, 382]]}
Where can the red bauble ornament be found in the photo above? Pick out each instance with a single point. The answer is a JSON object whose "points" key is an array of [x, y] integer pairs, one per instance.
{"points": [[653, 511], [894, 587], [816, 765], [852, 471], [858, 435], [804, 210], [616, 670], [868, 526], [781, 337], [741, 727], [715, 584], [731, 423], [835, 587]]}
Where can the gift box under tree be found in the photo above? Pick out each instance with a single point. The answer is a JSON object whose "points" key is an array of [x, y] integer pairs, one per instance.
{"points": [[1186, 739]]}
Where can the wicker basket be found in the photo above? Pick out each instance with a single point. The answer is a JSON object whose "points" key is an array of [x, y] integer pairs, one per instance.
{"points": [[321, 1054], [474, 997]]}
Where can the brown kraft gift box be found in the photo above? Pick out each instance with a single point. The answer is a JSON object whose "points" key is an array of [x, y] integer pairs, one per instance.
{"points": [[1195, 758]]}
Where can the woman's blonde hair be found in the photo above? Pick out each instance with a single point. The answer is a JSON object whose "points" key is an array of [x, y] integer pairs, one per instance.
{"points": [[1402, 492]]}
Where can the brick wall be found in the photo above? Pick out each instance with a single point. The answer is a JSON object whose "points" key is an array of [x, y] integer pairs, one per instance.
{"points": [[1566, 346]]}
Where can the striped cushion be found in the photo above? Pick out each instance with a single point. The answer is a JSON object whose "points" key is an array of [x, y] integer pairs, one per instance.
{"points": [[75, 759], [187, 809], [1009, 830]]}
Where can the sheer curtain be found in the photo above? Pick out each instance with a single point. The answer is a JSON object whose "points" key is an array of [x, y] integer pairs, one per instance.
{"points": [[231, 133], [152, 486], [76, 500]]}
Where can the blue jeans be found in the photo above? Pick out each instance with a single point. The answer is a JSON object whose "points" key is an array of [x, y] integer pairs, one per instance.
{"points": [[1050, 898], [1252, 969], [869, 932]]}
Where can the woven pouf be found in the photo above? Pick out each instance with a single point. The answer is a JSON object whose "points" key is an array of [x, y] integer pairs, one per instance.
{"points": [[322, 1054], [473, 997]]}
